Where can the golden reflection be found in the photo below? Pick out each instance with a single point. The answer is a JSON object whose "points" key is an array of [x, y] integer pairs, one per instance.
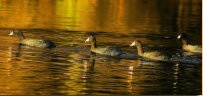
{"points": [[183, 21], [27, 14], [93, 15], [8, 68], [31, 71], [76, 73], [133, 66], [120, 13]]}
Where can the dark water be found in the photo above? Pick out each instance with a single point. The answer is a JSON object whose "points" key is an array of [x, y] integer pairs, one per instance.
{"points": [[70, 68]]}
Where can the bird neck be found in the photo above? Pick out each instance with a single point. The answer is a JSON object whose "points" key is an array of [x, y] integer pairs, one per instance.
{"points": [[139, 49], [20, 35], [184, 43], [93, 45]]}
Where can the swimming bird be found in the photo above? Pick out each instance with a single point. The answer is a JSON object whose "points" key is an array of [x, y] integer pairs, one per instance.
{"points": [[32, 42], [111, 51], [150, 55], [187, 47]]}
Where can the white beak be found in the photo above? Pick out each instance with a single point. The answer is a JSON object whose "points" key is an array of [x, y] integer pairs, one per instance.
{"points": [[132, 44], [179, 36], [11, 33], [87, 40]]}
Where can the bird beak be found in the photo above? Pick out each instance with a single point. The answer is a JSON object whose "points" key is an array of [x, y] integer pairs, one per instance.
{"points": [[178, 36], [132, 44], [87, 40], [11, 33]]}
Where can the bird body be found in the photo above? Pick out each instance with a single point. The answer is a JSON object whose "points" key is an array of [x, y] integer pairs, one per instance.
{"points": [[38, 43], [193, 48], [32, 42], [188, 47], [154, 55], [111, 51], [150, 55]]}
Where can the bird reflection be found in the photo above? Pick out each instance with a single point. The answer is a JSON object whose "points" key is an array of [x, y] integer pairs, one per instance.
{"points": [[92, 62], [112, 65], [175, 75], [94, 57], [19, 49]]}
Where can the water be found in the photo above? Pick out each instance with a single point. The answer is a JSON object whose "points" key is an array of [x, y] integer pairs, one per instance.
{"points": [[70, 69]]}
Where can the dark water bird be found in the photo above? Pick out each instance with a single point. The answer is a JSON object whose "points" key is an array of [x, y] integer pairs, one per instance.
{"points": [[111, 51], [32, 42], [188, 47], [155, 55]]}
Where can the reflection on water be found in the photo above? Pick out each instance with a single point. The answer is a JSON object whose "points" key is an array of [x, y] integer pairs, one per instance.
{"points": [[70, 68]]}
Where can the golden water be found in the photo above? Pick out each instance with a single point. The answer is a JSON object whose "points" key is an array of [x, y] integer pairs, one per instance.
{"points": [[70, 69]]}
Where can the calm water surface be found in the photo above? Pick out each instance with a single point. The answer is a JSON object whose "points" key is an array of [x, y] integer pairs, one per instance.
{"points": [[71, 69]]}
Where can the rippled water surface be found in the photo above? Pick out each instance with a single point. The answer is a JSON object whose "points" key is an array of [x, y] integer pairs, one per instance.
{"points": [[71, 69]]}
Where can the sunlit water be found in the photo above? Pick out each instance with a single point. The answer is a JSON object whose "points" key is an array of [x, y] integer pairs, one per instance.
{"points": [[71, 69]]}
